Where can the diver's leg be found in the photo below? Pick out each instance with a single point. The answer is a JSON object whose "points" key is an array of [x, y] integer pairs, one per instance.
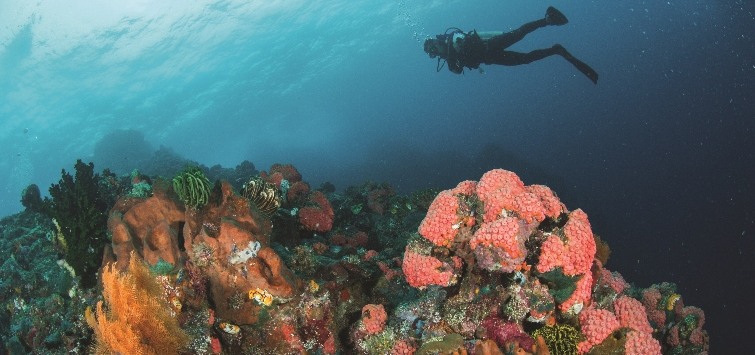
{"points": [[552, 17], [505, 40], [585, 69], [516, 58]]}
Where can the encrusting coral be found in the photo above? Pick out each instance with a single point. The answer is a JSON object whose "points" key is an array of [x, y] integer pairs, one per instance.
{"points": [[136, 319]]}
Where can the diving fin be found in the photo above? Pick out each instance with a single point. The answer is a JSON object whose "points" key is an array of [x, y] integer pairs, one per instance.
{"points": [[589, 72], [554, 17]]}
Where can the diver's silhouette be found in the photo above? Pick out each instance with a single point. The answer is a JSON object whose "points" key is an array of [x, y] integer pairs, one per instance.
{"points": [[471, 49]]}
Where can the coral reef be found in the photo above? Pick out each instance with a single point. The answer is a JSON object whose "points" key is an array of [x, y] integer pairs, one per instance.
{"points": [[488, 267], [41, 301], [237, 256], [477, 233], [296, 210]]}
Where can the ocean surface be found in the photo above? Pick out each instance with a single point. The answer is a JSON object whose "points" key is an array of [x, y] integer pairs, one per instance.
{"points": [[660, 153]]}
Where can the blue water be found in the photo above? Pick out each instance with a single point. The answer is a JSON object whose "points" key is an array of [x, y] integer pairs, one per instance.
{"points": [[660, 153]]}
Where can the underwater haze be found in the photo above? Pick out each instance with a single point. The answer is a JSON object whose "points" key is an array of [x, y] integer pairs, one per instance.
{"points": [[660, 153]]}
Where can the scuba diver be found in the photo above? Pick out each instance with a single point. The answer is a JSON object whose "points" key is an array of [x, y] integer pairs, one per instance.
{"points": [[473, 48]]}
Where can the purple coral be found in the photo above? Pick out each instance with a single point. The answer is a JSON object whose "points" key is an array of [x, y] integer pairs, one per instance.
{"points": [[506, 334]]}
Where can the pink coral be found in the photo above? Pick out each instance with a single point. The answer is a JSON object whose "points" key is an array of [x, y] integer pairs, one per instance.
{"points": [[497, 190], [552, 206], [596, 325], [466, 187], [641, 343], [580, 242], [651, 297], [317, 217], [580, 297], [423, 270], [612, 280], [273, 178], [528, 207], [359, 239], [403, 347], [440, 224], [502, 192], [631, 314], [697, 336], [576, 254], [552, 254], [504, 239], [373, 318], [673, 337]]}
